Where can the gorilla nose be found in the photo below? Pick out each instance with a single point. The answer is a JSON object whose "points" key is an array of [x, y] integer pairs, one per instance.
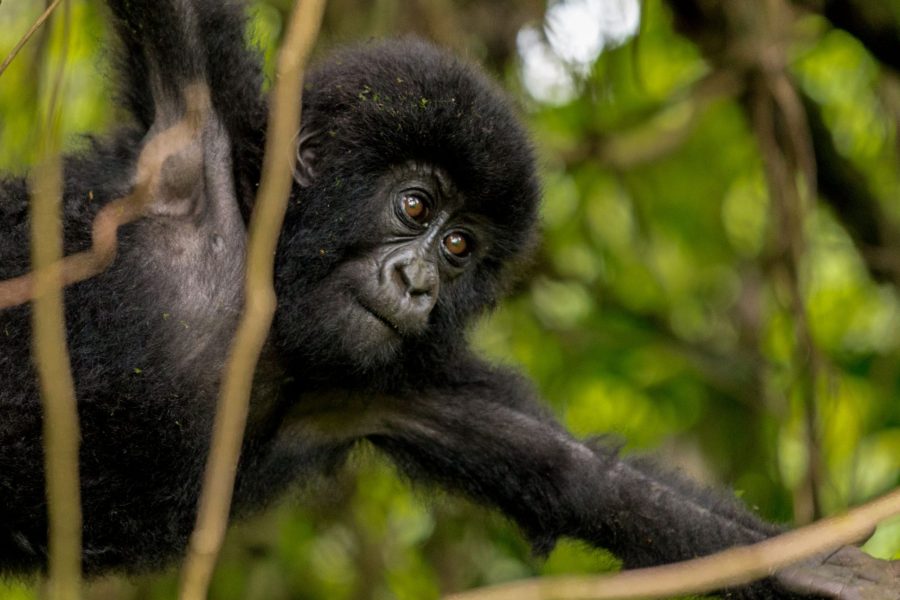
{"points": [[408, 291], [418, 279]]}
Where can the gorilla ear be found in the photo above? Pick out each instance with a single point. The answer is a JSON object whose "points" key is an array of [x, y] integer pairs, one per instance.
{"points": [[306, 154]]}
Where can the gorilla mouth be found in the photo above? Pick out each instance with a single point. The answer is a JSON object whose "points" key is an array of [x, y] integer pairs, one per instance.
{"points": [[379, 317]]}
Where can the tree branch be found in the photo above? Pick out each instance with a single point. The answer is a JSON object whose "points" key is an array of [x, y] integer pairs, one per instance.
{"points": [[51, 356], [28, 34], [259, 305], [732, 567]]}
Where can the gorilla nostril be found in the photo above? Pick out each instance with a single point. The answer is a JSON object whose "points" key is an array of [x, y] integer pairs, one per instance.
{"points": [[419, 289], [418, 278]]}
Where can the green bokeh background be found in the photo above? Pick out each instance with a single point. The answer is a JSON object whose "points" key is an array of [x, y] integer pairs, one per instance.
{"points": [[651, 312]]}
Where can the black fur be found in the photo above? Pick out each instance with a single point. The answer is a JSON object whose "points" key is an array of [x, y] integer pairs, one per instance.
{"points": [[148, 337]]}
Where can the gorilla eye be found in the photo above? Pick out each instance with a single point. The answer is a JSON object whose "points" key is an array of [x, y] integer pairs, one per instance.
{"points": [[414, 207], [458, 244]]}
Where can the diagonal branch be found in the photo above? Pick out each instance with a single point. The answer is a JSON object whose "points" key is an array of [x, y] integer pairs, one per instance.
{"points": [[28, 34], [729, 568], [84, 265]]}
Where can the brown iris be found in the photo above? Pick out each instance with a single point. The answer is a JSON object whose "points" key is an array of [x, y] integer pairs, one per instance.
{"points": [[415, 208], [457, 244]]}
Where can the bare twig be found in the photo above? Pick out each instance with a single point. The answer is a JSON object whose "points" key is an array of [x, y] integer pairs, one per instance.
{"points": [[259, 306], [37, 25], [729, 568], [51, 357], [122, 211]]}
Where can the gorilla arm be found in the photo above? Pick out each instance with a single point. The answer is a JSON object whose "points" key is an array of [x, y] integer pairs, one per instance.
{"points": [[480, 438]]}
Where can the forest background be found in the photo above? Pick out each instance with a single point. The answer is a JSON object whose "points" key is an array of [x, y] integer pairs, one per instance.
{"points": [[719, 281]]}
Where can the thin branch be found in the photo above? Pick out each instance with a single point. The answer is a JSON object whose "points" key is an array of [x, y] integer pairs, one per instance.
{"points": [[260, 302], [119, 212], [732, 567], [37, 25], [51, 357]]}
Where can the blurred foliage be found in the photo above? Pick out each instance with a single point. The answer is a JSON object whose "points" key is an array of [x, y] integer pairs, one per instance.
{"points": [[653, 310]]}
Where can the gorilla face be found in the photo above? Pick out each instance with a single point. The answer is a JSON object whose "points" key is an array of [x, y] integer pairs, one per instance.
{"points": [[416, 197], [417, 249]]}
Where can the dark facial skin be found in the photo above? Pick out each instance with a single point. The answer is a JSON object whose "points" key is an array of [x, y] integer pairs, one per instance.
{"points": [[426, 239]]}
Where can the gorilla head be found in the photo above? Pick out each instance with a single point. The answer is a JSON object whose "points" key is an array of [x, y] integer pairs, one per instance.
{"points": [[416, 191]]}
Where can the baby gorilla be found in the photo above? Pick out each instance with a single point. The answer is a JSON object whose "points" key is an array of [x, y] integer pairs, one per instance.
{"points": [[415, 199]]}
